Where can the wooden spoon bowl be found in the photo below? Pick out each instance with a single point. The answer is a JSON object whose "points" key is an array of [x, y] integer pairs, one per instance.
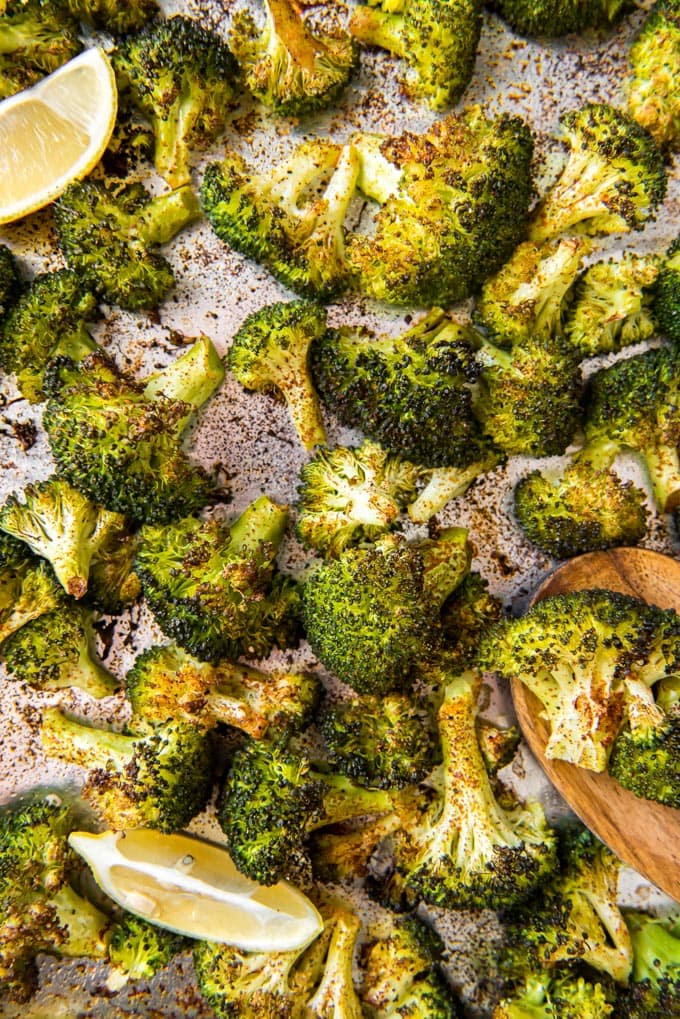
{"points": [[643, 834]]}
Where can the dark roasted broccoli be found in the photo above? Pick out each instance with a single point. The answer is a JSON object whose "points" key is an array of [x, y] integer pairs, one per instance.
{"points": [[112, 15], [645, 757], [666, 305], [214, 588], [652, 89], [559, 17], [137, 950], [270, 353], [466, 615], [289, 219], [292, 68], [120, 442], [613, 180], [36, 37], [437, 39], [371, 614], [108, 233], [453, 205], [180, 75], [557, 996], [654, 992], [10, 282]]}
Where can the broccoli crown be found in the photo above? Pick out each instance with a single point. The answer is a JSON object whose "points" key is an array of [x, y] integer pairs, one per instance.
{"points": [[48, 321], [36, 37], [10, 282], [633, 404], [158, 779], [108, 233], [27, 590], [270, 353], [215, 589], [613, 180], [465, 616], [273, 798], [288, 66], [412, 392], [646, 753], [530, 296], [271, 217], [654, 992], [131, 143], [652, 90], [563, 996], [114, 16], [556, 17], [138, 950], [574, 652], [180, 76], [120, 444], [437, 38], [352, 494], [371, 614], [579, 509], [453, 206], [57, 651], [666, 304], [613, 305]]}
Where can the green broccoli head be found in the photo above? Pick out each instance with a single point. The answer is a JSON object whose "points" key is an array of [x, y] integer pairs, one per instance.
{"points": [[561, 996], [290, 67], [36, 37], [137, 950], [10, 283], [466, 615], [114, 16], [613, 180], [270, 353], [652, 90], [655, 987], [613, 305], [290, 219], [215, 588], [436, 39], [553, 18], [28, 588], [180, 75], [646, 753], [108, 233], [579, 509], [453, 206], [373, 613], [412, 393], [666, 304]]}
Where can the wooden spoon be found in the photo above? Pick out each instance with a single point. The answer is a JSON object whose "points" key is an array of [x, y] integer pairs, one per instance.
{"points": [[643, 834]]}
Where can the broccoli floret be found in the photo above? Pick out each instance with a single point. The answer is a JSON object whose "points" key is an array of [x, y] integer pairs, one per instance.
{"points": [[114, 16], [131, 143], [214, 588], [60, 524], [613, 180], [529, 297], [436, 38], [180, 76], [574, 651], [108, 232], [666, 305], [158, 779], [36, 37], [556, 997], [137, 950], [270, 353], [48, 321], [553, 18], [654, 992], [56, 651], [40, 912], [652, 89], [453, 206], [290, 218], [612, 305], [273, 798], [466, 615], [28, 589], [119, 442], [288, 66], [165, 682], [579, 509], [113, 584], [442, 484], [645, 757], [10, 282], [633, 404], [371, 614], [412, 393], [343, 852]]}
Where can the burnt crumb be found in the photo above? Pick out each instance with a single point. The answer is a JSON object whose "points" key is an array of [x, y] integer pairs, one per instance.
{"points": [[506, 568], [26, 434], [106, 631]]}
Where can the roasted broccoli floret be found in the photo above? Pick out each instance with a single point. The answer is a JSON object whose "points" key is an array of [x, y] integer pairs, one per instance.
{"points": [[645, 757], [120, 442], [350, 495], [559, 17], [165, 682], [653, 86], [113, 583], [36, 37], [273, 798], [574, 652], [579, 508], [290, 218], [10, 282], [214, 588], [466, 615], [160, 778], [666, 306], [612, 305], [112, 15], [108, 233], [453, 205], [137, 950], [613, 180], [40, 912], [412, 393], [27, 587], [654, 992], [180, 76], [290, 67], [633, 405], [559, 996], [270, 353], [437, 39], [371, 614], [442, 484], [343, 852], [529, 297]]}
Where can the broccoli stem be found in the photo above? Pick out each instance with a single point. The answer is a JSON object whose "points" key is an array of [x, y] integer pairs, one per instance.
{"points": [[87, 927], [641, 708], [166, 215], [378, 178], [446, 560], [342, 800], [299, 173], [87, 675], [581, 193], [67, 738], [337, 985], [446, 483], [290, 31], [191, 378], [600, 454], [663, 466], [375, 27], [264, 521]]}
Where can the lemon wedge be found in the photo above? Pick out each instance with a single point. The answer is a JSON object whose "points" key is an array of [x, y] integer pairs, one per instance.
{"points": [[192, 887], [55, 133]]}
